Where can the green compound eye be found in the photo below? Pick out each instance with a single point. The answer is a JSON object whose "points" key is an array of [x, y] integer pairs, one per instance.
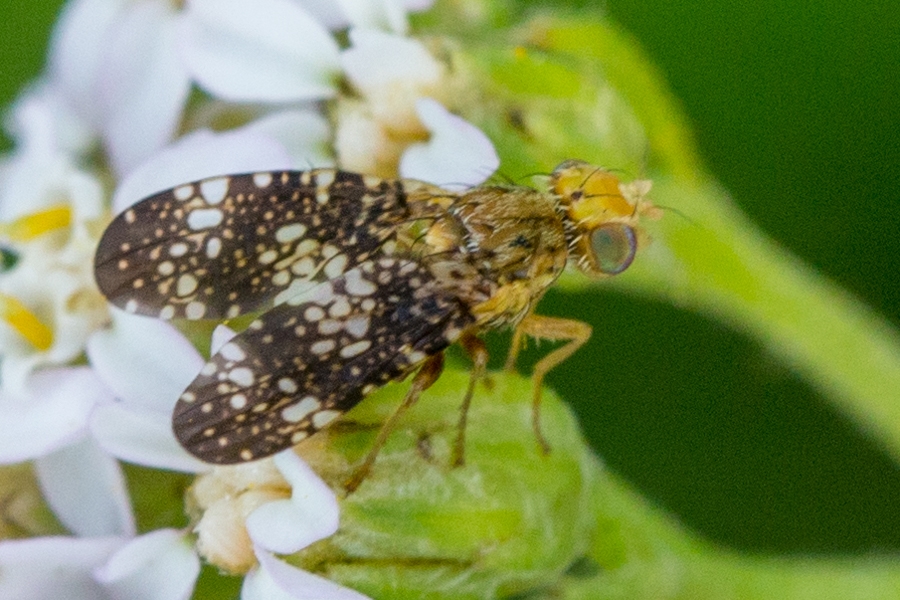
{"points": [[613, 246]]}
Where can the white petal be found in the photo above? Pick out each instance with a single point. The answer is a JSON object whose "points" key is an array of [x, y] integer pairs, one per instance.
{"points": [[160, 565], [457, 156], [52, 412], [198, 155], [221, 335], [377, 60], [326, 12], [41, 120], [142, 437], [305, 134], [277, 580], [362, 144], [77, 51], [259, 50], [144, 84], [146, 362], [26, 566], [418, 5], [381, 14], [86, 489], [287, 526]]}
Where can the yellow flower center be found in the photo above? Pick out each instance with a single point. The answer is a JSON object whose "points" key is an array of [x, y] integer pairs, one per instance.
{"points": [[25, 322], [25, 229]]}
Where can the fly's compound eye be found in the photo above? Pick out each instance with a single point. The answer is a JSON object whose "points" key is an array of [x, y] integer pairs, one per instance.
{"points": [[613, 246]]}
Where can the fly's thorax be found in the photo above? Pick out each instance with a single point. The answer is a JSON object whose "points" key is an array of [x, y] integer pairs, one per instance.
{"points": [[601, 214], [500, 248], [512, 233]]}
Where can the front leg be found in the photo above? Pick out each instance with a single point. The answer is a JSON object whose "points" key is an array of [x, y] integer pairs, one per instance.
{"points": [[575, 333]]}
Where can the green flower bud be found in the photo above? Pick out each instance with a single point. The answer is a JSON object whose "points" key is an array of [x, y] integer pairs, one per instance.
{"points": [[512, 519]]}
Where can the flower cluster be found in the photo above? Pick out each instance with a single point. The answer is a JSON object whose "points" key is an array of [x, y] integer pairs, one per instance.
{"points": [[138, 97]]}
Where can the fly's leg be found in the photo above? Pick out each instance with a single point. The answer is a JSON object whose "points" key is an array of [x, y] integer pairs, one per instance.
{"points": [[477, 351], [515, 345], [575, 333], [423, 379]]}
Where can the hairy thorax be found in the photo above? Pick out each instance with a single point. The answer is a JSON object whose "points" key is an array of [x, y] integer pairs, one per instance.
{"points": [[499, 249]]}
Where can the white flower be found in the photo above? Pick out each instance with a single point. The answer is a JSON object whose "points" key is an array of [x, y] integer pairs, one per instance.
{"points": [[157, 566], [49, 412], [160, 565], [83, 386], [49, 217], [391, 72], [126, 67], [441, 160], [148, 363], [400, 83], [26, 564], [248, 517], [259, 51], [311, 513], [277, 580], [117, 63]]}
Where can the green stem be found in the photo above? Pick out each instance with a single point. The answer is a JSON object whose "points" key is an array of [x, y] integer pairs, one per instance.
{"points": [[642, 553], [724, 266]]}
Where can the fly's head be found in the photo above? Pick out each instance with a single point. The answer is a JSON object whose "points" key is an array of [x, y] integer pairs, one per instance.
{"points": [[602, 215]]}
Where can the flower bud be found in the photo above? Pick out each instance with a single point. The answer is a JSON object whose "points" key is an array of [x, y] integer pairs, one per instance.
{"points": [[512, 519]]}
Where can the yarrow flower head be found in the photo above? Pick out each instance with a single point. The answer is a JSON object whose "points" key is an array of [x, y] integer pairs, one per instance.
{"points": [[137, 97]]}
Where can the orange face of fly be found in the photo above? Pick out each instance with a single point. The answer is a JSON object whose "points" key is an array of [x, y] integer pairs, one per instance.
{"points": [[603, 215]]}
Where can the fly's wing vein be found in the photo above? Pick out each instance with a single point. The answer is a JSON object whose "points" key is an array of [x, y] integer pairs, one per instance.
{"points": [[305, 362]]}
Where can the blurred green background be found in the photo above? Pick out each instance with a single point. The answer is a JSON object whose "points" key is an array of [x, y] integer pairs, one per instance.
{"points": [[796, 109]]}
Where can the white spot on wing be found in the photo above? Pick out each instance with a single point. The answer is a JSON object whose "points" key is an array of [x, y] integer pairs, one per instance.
{"points": [[289, 233], [325, 178], [357, 326], [214, 190], [357, 286], [238, 401], [262, 180], [324, 417], [241, 376], [187, 284], [294, 294], [322, 347], [340, 308], [183, 192], [355, 349], [204, 218], [268, 257], [195, 310], [233, 352], [297, 412], [335, 266], [213, 247], [313, 314], [281, 278], [287, 385], [328, 326]]}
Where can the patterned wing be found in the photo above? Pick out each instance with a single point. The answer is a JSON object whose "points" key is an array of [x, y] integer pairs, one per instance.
{"points": [[229, 245], [305, 362]]}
